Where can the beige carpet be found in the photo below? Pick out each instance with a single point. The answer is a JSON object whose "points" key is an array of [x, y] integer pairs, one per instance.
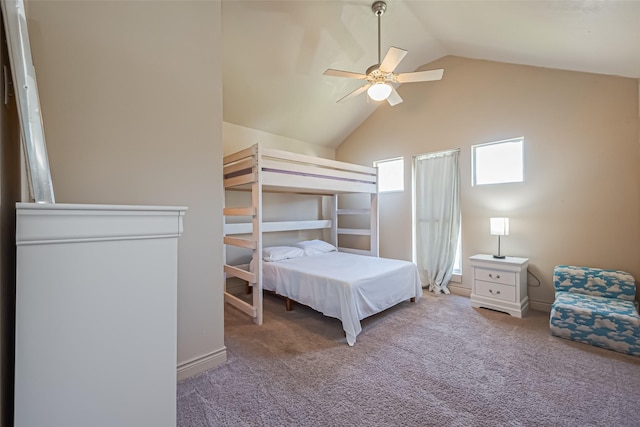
{"points": [[437, 362]]}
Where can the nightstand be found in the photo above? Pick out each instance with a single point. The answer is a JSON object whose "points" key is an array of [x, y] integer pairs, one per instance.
{"points": [[500, 284]]}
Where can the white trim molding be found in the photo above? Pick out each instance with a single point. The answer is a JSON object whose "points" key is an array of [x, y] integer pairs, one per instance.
{"points": [[202, 363]]}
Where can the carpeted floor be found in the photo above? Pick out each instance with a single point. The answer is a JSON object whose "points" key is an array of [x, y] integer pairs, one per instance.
{"points": [[437, 362]]}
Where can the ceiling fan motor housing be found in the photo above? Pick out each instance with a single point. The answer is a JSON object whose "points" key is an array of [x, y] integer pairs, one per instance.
{"points": [[374, 67], [378, 8]]}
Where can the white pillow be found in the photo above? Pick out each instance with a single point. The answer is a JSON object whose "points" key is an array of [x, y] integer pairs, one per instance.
{"points": [[279, 253], [314, 247]]}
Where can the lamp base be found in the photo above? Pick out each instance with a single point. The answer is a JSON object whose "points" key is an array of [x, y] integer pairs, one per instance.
{"points": [[499, 256]]}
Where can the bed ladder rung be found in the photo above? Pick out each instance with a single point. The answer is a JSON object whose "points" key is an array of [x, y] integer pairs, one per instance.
{"points": [[354, 211], [356, 251], [355, 231], [248, 211], [247, 163], [240, 180], [247, 152], [243, 243], [241, 305], [240, 273]]}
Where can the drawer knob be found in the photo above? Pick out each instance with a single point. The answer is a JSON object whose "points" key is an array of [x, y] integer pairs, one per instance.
{"points": [[497, 276], [492, 293]]}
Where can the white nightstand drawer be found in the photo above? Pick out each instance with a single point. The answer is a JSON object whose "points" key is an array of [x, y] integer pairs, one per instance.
{"points": [[495, 276], [496, 290]]}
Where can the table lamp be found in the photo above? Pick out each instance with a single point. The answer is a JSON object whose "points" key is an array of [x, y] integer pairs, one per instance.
{"points": [[499, 227]]}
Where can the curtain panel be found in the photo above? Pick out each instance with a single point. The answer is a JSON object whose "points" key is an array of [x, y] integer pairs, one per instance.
{"points": [[437, 217]]}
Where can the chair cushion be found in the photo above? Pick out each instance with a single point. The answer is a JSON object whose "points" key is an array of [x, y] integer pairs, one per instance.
{"points": [[604, 322]]}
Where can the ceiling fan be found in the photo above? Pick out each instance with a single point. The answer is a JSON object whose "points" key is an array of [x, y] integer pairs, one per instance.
{"points": [[380, 77]]}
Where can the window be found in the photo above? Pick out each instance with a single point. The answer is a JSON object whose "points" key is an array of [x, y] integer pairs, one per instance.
{"points": [[497, 162], [390, 174], [457, 264]]}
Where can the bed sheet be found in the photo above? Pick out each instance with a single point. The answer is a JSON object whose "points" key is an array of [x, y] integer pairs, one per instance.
{"points": [[346, 286]]}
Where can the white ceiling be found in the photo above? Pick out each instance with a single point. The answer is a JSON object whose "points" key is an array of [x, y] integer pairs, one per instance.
{"points": [[276, 51]]}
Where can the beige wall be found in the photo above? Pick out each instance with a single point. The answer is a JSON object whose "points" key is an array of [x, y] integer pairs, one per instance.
{"points": [[579, 203], [131, 100], [236, 138]]}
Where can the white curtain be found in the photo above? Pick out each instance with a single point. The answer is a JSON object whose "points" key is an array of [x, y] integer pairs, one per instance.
{"points": [[437, 217]]}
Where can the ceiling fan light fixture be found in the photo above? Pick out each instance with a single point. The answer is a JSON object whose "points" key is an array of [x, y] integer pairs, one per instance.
{"points": [[379, 91], [379, 77]]}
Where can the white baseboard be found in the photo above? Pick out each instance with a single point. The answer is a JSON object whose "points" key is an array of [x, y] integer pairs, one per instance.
{"points": [[533, 305], [200, 364], [539, 305], [459, 290]]}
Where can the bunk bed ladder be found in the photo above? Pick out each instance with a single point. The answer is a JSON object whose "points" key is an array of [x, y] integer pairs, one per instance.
{"points": [[372, 231], [235, 166]]}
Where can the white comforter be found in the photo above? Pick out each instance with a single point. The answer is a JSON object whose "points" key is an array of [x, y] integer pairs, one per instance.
{"points": [[345, 286]]}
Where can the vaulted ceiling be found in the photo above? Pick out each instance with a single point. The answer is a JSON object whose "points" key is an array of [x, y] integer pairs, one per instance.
{"points": [[276, 51]]}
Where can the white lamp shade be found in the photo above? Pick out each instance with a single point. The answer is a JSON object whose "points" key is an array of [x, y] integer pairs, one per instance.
{"points": [[379, 91], [499, 226]]}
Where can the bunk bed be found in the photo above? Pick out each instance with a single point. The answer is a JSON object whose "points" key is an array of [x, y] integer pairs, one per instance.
{"points": [[260, 170]]}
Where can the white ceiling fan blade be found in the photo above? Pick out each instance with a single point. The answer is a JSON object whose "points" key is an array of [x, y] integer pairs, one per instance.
{"points": [[339, 73], [354, 93], [420, 76], [394, 98], [392, 59]]}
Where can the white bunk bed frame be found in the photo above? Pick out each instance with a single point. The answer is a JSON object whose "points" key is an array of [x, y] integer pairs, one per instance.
{"points": [[259, 170]]}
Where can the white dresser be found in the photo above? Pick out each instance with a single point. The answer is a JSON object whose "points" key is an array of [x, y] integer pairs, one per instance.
{"points": [[96, 295], [500, 284]]}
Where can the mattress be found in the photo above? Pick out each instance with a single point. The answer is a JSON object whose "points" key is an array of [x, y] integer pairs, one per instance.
{"points": [[346, 286]]}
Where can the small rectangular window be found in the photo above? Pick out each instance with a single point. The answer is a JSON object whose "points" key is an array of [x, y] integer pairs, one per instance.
{"points": [[390, 174], [498, 162]]}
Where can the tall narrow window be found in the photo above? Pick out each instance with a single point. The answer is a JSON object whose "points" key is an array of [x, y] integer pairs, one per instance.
{"points": [[498, 162], [390, 174]]}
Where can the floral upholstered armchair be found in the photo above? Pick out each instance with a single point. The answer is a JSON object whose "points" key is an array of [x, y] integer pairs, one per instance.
{"points": [[596, 307]]}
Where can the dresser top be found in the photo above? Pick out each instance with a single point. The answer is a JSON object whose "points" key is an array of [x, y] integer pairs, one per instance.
{"points": [[510, 260]]}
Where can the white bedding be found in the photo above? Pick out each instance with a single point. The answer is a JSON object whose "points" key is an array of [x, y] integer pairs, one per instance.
{"points": [[345, 286]]}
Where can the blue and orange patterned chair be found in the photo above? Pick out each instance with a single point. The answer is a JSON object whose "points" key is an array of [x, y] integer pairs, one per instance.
{"points": [[596, 307]]}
